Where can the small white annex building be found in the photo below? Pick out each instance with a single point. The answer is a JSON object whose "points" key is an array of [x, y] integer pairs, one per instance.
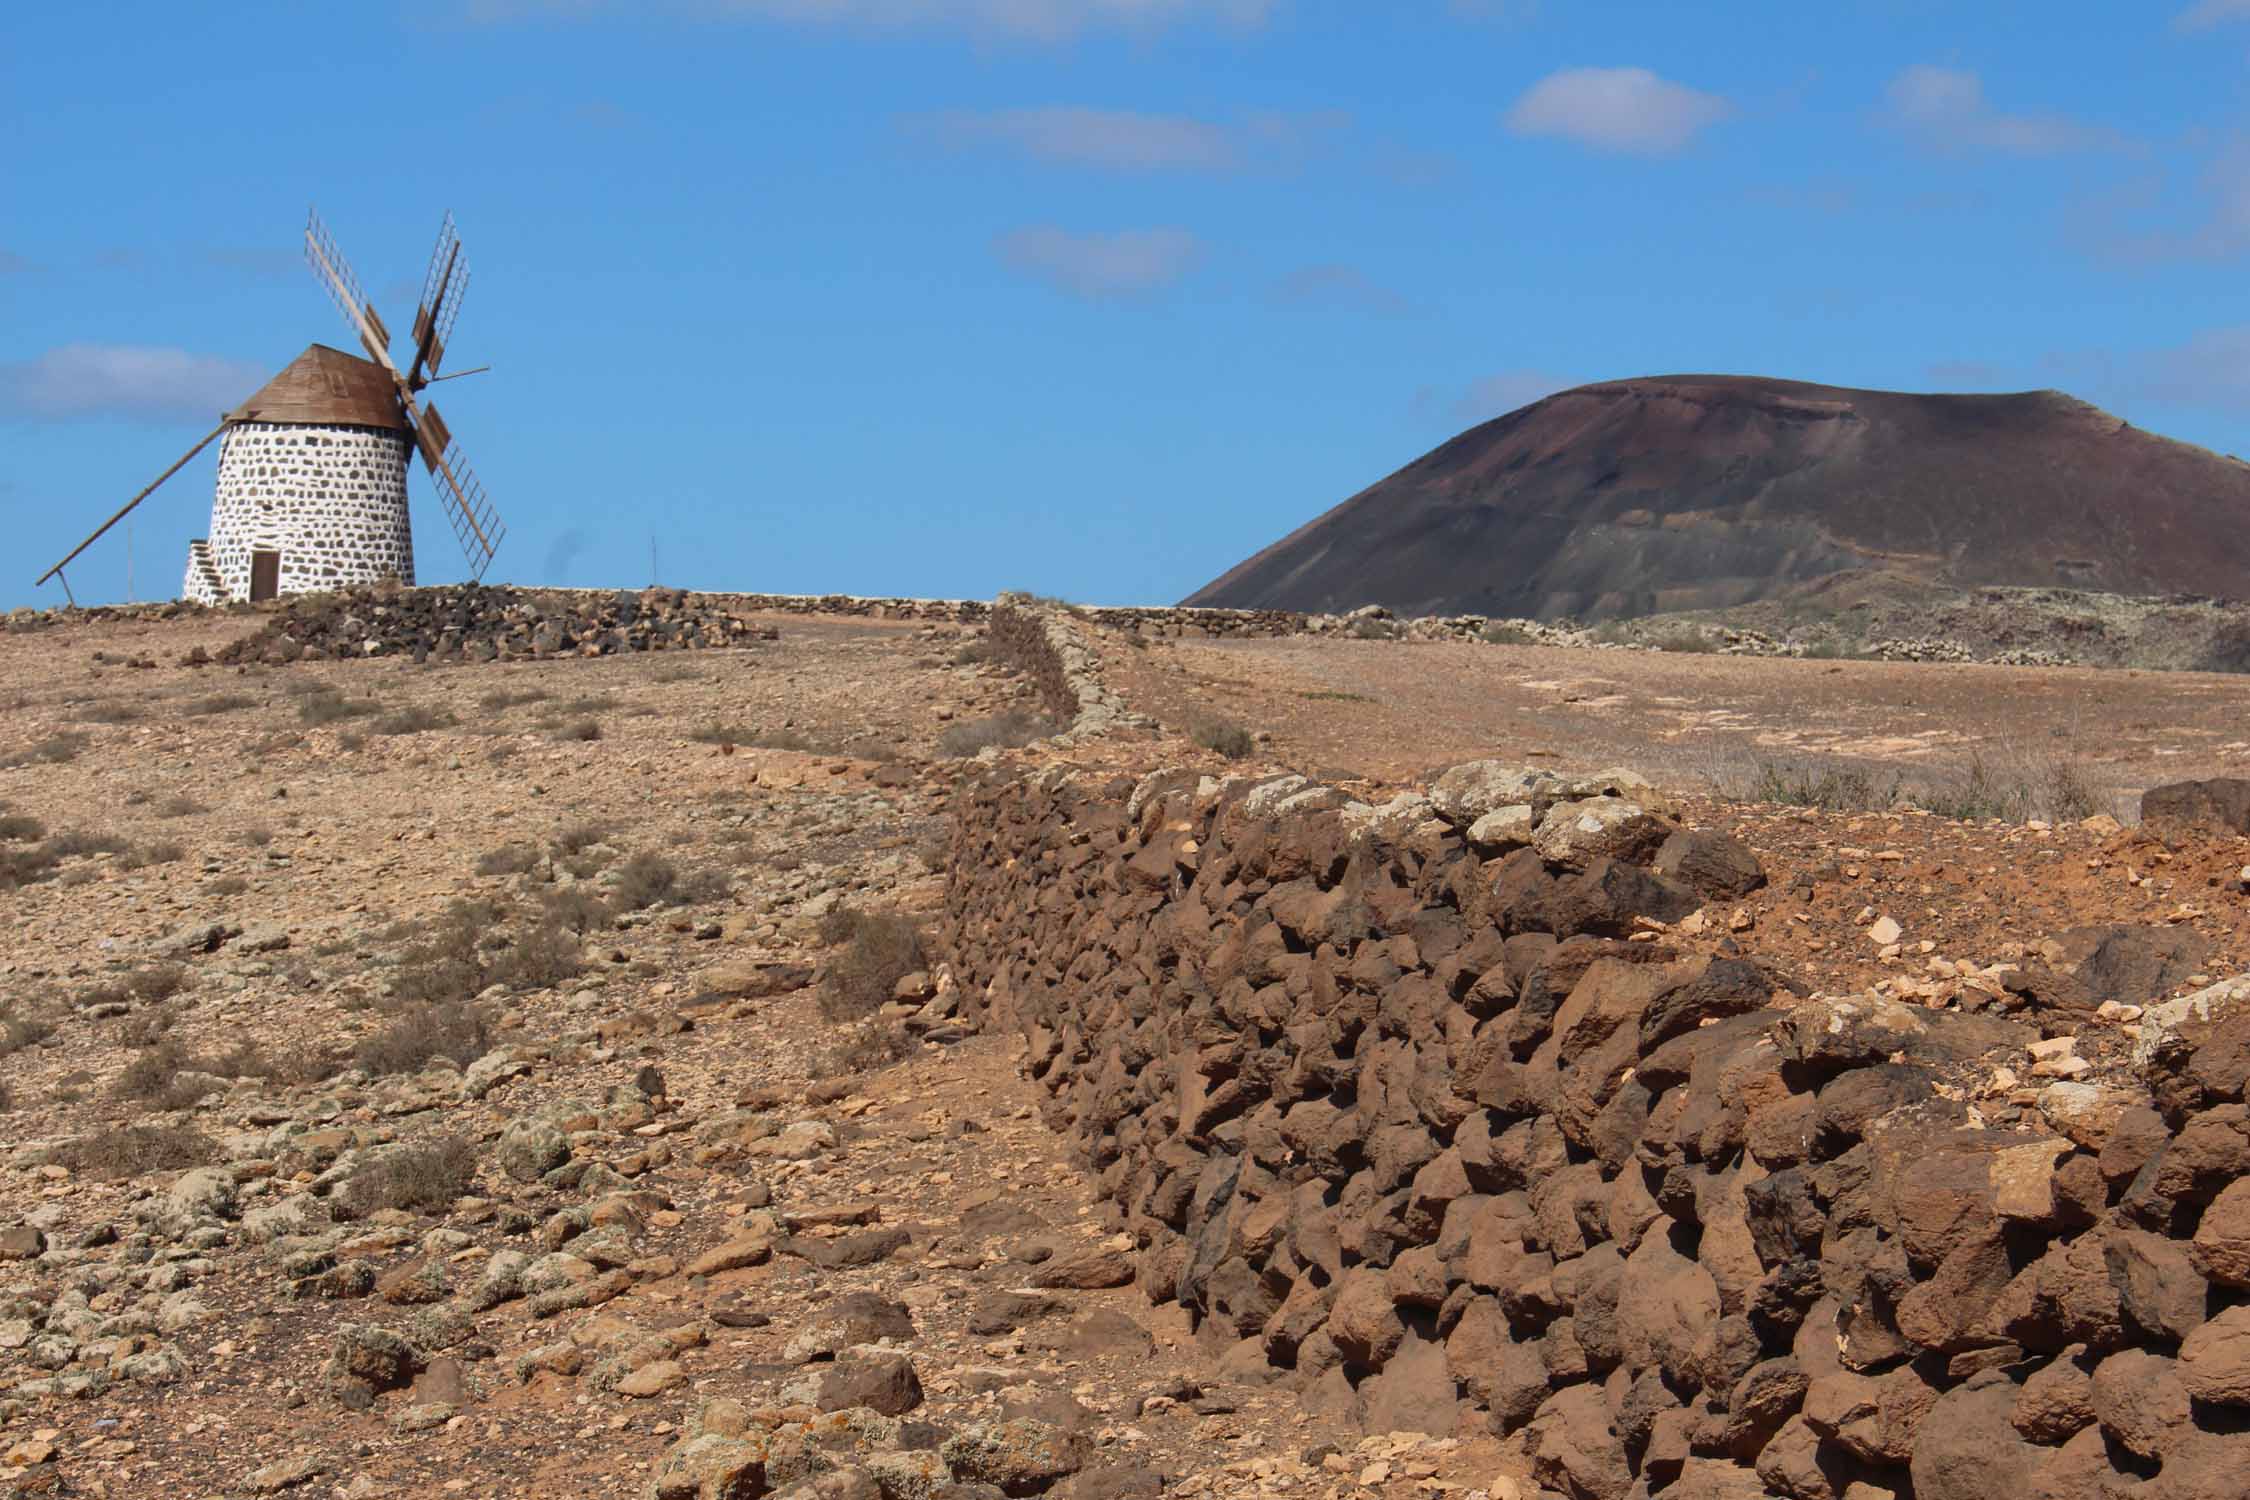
{"points": [[312, 486]]}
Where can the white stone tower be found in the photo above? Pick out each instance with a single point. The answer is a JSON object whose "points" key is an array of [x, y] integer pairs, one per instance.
{"points": [[312, 486]]}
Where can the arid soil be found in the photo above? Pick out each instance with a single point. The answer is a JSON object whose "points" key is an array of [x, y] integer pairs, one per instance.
{"points": [[1393, 711], [245, 1013], [917, 1200]]}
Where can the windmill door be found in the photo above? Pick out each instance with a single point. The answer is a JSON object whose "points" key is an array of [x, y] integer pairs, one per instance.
{"points": [[265, 575]]}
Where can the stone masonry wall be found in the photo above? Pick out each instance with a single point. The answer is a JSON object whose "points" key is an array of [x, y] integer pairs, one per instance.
{"points": [[1421, 1104], [330, 499], [1047, 643]]}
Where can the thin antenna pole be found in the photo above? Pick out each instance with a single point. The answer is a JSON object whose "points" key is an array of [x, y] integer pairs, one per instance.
{"points": [[128, 562], [652, 572]]}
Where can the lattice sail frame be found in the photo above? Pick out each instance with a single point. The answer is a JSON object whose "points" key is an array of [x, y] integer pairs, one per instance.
{"points": [[443, 286], [336, 277], [476, 522]]}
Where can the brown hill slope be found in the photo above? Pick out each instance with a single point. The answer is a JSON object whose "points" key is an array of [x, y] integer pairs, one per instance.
{"points": [[1704, 491]]}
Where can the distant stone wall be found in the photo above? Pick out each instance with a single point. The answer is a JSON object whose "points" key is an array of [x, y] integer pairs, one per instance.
{"points": [[1445, 1125], [331, 500], [1045, 641], [472, 622]]}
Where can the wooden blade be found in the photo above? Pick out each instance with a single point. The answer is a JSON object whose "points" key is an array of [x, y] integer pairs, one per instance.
{"points": [[433, 437], [442, 288], [335, 274], [476, 524]]}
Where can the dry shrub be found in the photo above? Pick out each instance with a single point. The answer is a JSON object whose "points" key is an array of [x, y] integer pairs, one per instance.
{"points": [[22, 828], [578, 731], [162, 852], [1829, 788], [324, 705], [228, 885], [217, 703], [576, 909], [179, 807], [2070, 797], [1011, 730], [135, 1151], [153, 1078], [873, 952], [150, 986], [420, 718], [580, 837], [545, 955], [870, 1045], [22, 865], [505, 698], [509, 859], [426, 1176], [1230, 740], [1978, 794], [107, 711], [78, 842], [54, 750], [446, 966], [646, 880], [19, 1032], [419, 1036]]}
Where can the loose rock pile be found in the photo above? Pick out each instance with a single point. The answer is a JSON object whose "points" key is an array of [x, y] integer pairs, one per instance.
{"points": [[474, 623], [1421, 1103]]}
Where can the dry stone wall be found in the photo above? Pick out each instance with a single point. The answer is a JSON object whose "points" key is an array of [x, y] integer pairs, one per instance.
{"points": [[1045, 643], [1422, 1105], [473, 622]]}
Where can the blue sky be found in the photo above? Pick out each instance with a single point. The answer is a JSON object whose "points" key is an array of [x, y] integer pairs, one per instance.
{"points": [[1087, 296]]}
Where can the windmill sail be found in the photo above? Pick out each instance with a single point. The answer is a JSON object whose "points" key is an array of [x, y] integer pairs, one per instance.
{"points": [[476, 524], [335, 273], [443, 286]]}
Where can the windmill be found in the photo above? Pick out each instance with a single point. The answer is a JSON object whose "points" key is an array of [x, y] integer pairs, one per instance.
{"points": [[311, 490]]}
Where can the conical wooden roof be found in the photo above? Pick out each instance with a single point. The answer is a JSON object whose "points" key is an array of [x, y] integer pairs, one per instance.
{"points": [[326, 385]]}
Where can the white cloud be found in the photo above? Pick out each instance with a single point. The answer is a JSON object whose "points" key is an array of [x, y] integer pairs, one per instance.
{"points": [[1946, 108], [2210, 371], [1119, 139], [2212, 13], [2219, 226], [1505, 391], [1038, 20], [1342, 286], [1120, 263], [133, 381], [1616, 109]]}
